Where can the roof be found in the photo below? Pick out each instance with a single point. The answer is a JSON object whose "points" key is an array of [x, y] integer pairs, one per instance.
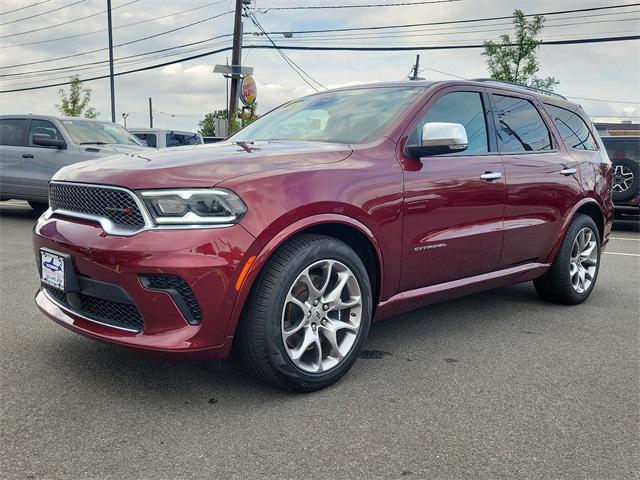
{"points": [[158, 130], [51, 117]]}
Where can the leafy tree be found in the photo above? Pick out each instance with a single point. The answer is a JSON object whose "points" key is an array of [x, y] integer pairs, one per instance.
{"points": [[76, 104], [514, 60], [208, 125]]}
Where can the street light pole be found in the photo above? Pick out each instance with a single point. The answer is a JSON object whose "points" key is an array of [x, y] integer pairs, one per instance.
{"points": [[111, 79], [124, 117]]}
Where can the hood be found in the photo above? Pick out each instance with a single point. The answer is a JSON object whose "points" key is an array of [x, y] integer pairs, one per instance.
{"points": [[112, 149], [201, 165]]}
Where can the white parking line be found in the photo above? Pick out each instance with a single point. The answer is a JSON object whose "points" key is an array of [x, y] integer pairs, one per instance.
{"points": [[626, 239], [626, 254]]}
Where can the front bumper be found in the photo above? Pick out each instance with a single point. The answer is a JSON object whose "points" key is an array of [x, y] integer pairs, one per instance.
{"points": [[208, 260]]}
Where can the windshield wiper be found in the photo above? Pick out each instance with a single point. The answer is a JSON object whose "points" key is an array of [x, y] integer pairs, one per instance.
{"points": [[95, 143]]}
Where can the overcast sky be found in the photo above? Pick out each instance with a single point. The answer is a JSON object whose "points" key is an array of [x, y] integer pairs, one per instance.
{"points": [[184, 92]]}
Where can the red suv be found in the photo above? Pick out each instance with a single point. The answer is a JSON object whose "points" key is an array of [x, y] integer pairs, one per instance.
{"points": [[330, 212]]}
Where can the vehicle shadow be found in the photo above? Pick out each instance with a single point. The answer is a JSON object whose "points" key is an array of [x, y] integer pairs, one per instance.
{"points": [[18, 211], [119, 370]]}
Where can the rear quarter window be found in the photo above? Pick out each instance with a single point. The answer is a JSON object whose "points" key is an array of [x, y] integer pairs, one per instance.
{"points": [[574, 131], [13, 131]]}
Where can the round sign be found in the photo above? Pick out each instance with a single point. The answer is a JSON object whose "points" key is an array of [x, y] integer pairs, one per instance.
{"points": [[249, 90]]}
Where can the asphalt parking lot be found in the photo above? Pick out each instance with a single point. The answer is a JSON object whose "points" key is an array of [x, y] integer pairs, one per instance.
{"points": [[495, 385]]}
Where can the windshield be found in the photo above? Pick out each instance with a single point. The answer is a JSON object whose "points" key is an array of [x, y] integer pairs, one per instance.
{"points": [[86, 132], [350, 116]]}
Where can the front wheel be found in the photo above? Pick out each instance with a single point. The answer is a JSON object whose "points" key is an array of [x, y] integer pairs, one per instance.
{"points": [[308, 314], [572, 277]]}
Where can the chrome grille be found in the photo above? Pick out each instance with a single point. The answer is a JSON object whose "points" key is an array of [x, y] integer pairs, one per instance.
{"points": [[117, 205]]}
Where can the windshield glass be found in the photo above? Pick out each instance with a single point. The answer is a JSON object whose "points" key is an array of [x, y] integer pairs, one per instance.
{"points": [[350, 116], [85, 132]]}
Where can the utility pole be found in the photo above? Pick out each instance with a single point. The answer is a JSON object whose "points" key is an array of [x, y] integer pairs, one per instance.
{"points": [[415, 69], [111, 79], [150, 114], [236, 59]]}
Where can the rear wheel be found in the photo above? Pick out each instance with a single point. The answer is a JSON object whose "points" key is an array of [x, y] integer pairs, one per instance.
{"points": [[572, 277], [308, 315]]}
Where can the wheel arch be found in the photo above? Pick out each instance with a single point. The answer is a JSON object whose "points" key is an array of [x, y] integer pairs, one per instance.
{"points": [[587, 206], [347, 229]]}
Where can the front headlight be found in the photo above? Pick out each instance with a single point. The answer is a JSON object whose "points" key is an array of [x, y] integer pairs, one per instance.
{"points": [[200, 206]]}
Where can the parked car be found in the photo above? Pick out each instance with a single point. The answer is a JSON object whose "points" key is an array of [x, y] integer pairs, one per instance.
{"points": [[625, 156], [159, 138], [332, 211], [34, 147], [212, 139]]}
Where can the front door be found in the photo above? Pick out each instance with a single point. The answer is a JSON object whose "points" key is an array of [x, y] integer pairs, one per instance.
{"points": [[40, 163], [453, 204]]}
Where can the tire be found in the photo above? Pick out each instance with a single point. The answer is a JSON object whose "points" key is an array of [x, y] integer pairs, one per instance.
{"points": [[270, 307], [39, 207], [626, 179], [559, 283]]}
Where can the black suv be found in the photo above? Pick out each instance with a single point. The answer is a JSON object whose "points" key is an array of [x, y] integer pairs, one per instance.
{"points": [[624, 152]]}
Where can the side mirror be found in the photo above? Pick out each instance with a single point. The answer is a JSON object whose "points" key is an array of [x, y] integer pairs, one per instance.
{"points": [[439, 138], [46, 141]]}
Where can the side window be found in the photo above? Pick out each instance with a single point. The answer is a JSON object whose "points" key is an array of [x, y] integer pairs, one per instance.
{"points": [[43, 127], [12, 131], [150, 138], [465, 108], [572, 129], [520, 127], [177, 139]]}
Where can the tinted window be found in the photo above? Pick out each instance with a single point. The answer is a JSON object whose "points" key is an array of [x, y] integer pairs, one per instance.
{"points": [[150, 138], [12, 131], [520, 127], [620, 147], [572, 129], [177, 139], [43, 127], [464, 108]]}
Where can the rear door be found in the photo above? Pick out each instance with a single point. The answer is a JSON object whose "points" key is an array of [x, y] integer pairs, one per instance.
{"points": [[40, 163], [453, 217], [541, 176], [13, 138]]}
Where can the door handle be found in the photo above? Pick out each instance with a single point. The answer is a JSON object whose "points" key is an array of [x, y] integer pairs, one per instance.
{"points": [[568, 171], [489, 176], [27, 155]]}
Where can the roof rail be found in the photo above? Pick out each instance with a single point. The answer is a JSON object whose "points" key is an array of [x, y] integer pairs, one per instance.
{"points": [[517, 85]]}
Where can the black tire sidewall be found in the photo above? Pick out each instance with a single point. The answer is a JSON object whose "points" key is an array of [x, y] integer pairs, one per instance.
{"points": [[323, 248]]}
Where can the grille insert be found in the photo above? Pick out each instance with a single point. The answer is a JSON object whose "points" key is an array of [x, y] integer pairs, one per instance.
{"points": [[118, 206], [115, 314], [179, 290]]}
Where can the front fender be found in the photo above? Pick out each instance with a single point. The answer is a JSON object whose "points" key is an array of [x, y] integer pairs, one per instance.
{"points": [[277, 240]]}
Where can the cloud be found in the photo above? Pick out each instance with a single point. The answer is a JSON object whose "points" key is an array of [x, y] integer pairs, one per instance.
{"points": [[191, 89]]}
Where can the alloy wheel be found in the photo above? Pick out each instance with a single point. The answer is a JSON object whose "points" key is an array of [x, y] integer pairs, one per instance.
{"points": [[584, 260], [321, 316], [622, 178]]}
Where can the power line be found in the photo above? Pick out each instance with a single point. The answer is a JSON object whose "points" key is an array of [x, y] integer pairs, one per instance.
{"points": [[25, 7], [40, 14], [311, 31], [323, 7], [602, 100], [331, 48], [289, 62], [449, 22], [139, 22], [166, 32], [68, 21]]}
